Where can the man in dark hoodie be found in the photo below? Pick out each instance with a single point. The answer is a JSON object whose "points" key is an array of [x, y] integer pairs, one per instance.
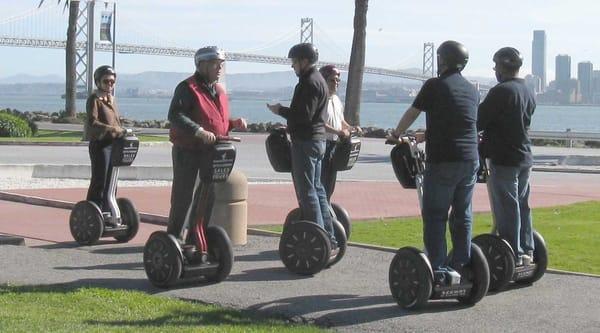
{"points": [[504, 117], [307, 132]]}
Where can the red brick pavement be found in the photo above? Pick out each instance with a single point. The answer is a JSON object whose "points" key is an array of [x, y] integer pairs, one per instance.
{"points": [[268, 204]]}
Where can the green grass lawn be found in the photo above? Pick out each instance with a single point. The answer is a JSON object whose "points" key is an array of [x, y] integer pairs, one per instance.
{"points": [[72, 136], [571, 233], [60, 309]]}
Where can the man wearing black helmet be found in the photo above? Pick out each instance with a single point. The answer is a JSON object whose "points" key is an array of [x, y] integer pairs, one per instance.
{"points": [[307, 132], [199, 111], [504, 117], [450, 103], [102, 127]]}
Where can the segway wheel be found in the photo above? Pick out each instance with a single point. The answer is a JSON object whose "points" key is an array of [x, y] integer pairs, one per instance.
{"points": [[540, 258], [344, 218], [342, 242], [86, 223], [304, 248], [293, 216], [130, 218], [479, 274], [500, 258], [221, 251], [410, 278], [162, 259]]}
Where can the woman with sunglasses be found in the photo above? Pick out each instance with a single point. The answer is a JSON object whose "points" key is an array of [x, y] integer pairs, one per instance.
{"points": [[102, 127]]}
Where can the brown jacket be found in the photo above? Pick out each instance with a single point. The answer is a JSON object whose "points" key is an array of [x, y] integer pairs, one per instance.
{"points": [[103, 121]]}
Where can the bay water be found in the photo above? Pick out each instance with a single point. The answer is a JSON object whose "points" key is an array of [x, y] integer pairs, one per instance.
{"points": [[556, 118]]}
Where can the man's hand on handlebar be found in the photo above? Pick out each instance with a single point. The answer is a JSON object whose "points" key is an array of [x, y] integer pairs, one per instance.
{"points": [[240, 123], [207, 137]]}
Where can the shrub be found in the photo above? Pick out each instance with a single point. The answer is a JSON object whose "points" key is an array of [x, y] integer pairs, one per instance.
{"points": [[13, 126], [25, 116]]}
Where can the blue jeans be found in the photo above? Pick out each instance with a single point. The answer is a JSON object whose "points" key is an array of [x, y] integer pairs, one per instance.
{"points": [[447, 187], [509, 194], [306, 173]]}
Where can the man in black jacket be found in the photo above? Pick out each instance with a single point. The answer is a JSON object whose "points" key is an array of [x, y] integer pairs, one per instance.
{"points": [[504, 117], [450, 105], [307, 132]]}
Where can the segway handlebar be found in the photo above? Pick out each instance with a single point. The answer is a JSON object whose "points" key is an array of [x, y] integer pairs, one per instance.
{"points": [[227, 138]]}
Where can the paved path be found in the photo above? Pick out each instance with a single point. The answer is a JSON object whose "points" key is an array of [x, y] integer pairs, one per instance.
{"points": [[352, 296]]}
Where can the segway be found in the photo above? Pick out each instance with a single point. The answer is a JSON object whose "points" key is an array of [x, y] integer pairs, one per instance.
{"points": [[412, 280], [88, 222], [345, 156], [305, 247], [501, 257], [207, 252]]}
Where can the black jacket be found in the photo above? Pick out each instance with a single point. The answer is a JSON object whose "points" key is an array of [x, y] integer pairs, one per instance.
{"points": [[303, 117], [504, 117]]}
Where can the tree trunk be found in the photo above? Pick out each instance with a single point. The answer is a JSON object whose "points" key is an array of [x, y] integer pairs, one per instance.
{"points": [[357, 64], [71, 54]]}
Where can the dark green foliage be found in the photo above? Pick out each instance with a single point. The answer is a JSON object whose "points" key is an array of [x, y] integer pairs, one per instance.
{"points": [[13, 126], [25, 116]]}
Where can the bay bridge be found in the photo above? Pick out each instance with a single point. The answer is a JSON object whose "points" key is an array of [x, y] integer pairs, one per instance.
{"points": [[16, 31]]}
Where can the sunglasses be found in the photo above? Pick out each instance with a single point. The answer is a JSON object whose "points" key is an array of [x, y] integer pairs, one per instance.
{"points": [[108, 81]]}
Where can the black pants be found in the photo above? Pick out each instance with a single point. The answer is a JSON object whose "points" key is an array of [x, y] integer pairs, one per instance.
{"points": [[101, 171], [328, 172], [187, 165]]}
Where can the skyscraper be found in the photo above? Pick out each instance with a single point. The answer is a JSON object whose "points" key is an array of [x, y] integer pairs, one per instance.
{"points": [[538, 61], [584, 75], [563, 72]]}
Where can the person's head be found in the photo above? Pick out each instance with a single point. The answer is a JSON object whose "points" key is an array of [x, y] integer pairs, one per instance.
{"points": [[508, 61], [332, 76], [304, 56], [105, 78], [451, 56], [209, 62]]}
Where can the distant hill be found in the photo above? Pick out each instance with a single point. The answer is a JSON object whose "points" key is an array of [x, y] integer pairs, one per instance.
{"points": [[166, 81]]}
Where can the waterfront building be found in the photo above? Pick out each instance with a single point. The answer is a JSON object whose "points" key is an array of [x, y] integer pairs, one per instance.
{"points": [[584, 75], [538, 61]]}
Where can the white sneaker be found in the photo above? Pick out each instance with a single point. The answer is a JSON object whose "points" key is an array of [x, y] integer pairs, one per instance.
{"points": [[524, 260]]}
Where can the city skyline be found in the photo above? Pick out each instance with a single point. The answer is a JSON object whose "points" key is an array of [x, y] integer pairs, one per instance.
{"points": [[395, 32]]}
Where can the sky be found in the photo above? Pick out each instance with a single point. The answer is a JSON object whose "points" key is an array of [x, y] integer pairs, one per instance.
{"points": [[396, 31]]}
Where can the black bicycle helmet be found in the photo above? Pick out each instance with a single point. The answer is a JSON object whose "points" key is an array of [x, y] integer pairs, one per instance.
{"points": [[304, 51], [101, 71], [509, 58], [453, 55], [208, 53]]}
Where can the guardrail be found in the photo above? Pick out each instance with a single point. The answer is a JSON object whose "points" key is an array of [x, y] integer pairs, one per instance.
{"points": [[566, 136]]}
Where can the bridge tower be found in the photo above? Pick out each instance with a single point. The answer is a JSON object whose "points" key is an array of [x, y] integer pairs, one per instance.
{"points": [[428, 60], [84, 60], [306, 30]]}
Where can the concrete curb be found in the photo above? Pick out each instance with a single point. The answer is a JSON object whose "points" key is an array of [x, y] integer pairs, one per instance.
{"points": [[145, 172]]}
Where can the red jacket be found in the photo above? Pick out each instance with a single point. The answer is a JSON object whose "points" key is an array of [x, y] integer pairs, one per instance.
{"points": [[211, 114]]}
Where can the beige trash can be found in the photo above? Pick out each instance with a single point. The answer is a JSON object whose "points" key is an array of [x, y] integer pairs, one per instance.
{"points": [[231, 208]]}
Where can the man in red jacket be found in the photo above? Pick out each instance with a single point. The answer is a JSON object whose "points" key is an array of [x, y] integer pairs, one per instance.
{"points": [[199, 112]]}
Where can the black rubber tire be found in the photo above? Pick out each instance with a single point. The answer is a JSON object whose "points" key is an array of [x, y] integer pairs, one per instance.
{"points": [[342, 215], [342, 242], [500, 258], [480, 276], [410, 278], [86, 223], [540, 258], [219, 250], [162, 259], [130, 218], [293, 216], [304, 248]]}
